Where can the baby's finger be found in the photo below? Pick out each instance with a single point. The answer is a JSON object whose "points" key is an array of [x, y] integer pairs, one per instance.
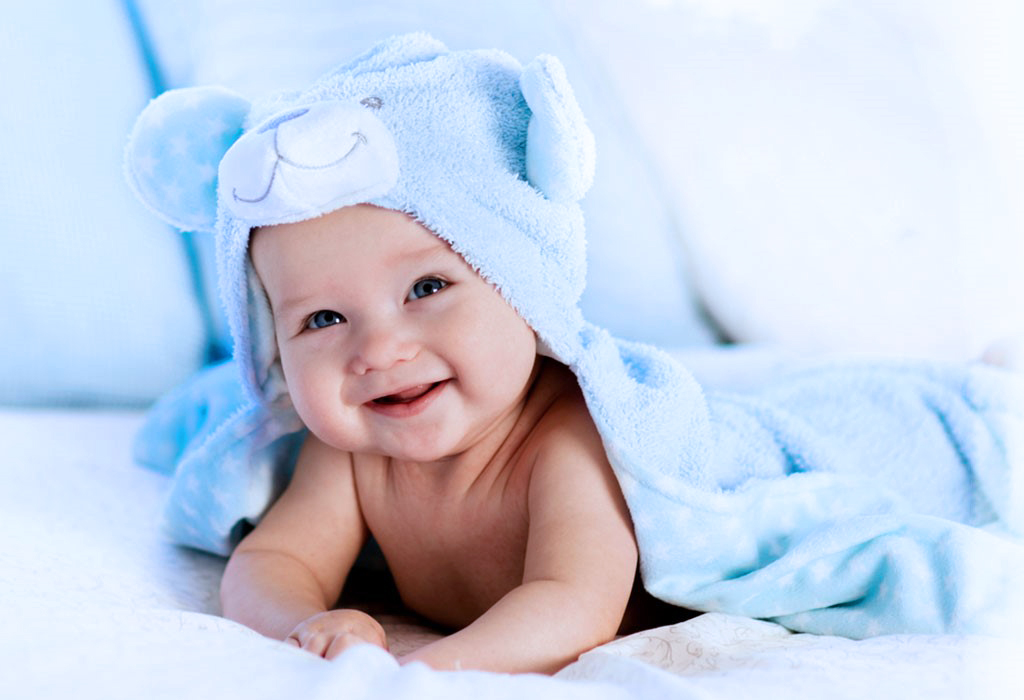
{"points": [[376, 635], [315, 643], [343, 642], [292, 641]]}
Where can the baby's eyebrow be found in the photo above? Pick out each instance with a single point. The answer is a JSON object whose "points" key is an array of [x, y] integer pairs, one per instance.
{"points": [[419, 259], [427, 248], [438, 253]]}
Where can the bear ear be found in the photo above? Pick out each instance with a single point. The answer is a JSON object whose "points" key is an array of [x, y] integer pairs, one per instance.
{"points": [[175, 149], [559, 145]]}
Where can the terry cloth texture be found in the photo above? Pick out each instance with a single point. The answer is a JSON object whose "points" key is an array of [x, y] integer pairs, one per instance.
{"points": [[855, 499]]}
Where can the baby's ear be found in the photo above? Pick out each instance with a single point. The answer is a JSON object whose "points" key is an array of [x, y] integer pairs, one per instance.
{"points": [[175, 149], [559, 146]]}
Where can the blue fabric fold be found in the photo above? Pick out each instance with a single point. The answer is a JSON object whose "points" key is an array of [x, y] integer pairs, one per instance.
{"points": [[855, 499], [229, 458]]}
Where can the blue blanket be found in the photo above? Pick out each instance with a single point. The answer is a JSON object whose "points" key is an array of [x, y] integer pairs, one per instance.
{"points": [[855, 499]]}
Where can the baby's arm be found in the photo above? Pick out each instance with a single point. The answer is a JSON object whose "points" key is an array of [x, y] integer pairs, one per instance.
{"points": [[579, 570], [283, 579]]}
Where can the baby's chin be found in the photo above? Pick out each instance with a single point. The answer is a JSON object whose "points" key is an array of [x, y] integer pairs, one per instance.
{"points": [[422, 443], [421, 454], [429, 453]]}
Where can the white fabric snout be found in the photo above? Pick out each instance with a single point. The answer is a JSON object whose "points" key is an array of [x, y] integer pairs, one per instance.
{"points": [[308, 161]]}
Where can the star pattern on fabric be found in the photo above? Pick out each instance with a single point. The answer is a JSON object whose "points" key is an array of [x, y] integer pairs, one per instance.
{"points": [[175, 151]]}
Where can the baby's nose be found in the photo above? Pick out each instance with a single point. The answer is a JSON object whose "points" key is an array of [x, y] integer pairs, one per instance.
{"points": [[380, 347]]}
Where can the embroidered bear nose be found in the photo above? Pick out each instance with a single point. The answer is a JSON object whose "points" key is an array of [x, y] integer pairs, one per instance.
{"points": [[306, 162]]}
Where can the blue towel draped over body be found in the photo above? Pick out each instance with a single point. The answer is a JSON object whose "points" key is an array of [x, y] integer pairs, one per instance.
{"points": [[855, 499]]}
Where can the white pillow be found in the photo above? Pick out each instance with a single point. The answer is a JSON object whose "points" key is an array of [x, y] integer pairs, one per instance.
{"points": [[637, 280], [848, 173], [98, 303]]}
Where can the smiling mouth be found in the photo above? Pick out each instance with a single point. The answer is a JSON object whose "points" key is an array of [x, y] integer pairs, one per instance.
{"points": [[407, 396], [408, 402]]}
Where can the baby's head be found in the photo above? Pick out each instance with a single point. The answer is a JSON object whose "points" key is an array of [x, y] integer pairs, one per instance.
{"points": [[377, 319], [488, 156]]}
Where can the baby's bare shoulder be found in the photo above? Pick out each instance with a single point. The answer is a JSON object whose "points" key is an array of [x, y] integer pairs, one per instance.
{"points": [[566, 420], [568, 454], [580, 530]]}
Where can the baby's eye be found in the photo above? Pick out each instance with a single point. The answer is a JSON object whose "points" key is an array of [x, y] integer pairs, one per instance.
{"points": [[425, 287], [324, 318]]}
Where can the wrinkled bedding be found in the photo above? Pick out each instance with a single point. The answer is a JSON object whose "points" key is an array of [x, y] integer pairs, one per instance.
{"points": [[97, 604]]}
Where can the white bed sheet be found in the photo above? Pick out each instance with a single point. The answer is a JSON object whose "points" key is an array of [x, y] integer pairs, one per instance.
{"points": [[94, 603]]}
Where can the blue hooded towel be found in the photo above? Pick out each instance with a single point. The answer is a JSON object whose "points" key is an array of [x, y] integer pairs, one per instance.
{"points": [[851, 498]]}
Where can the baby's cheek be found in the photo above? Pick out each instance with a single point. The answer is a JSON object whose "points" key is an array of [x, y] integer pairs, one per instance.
{"points": [[516, 355], [302, 392]]}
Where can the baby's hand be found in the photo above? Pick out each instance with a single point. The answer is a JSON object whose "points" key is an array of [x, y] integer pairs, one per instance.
{"points": [[327, 634]]}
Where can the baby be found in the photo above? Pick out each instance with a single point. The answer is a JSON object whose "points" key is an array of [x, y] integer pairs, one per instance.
{"points": [[401, 257], [438, 422], [437, 428]]}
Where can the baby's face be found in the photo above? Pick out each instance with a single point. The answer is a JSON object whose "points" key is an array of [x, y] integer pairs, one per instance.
{"points": [[390, 343]]}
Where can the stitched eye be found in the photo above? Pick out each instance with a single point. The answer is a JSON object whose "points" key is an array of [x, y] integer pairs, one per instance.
{"points": [[373, 103], [323, 319], [425, 287]]}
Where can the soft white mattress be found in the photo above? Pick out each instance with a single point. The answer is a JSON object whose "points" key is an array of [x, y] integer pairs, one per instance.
{"points": [[95, 604]]}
